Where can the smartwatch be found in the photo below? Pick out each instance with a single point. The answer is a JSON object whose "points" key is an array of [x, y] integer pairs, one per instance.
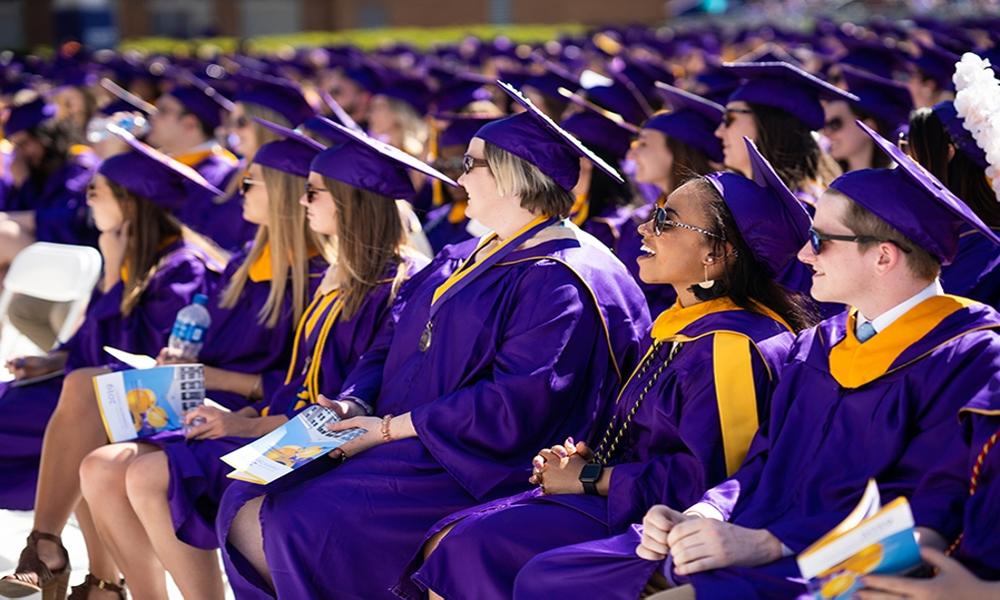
{"points": [[588, 477]]}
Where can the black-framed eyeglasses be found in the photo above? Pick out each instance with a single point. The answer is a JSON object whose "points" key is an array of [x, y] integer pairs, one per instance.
{"points": [[731, 113], [817, 238], [470, 162], [247, 182], [311, 192], [661, 223], [834, 125], [450, 164]]}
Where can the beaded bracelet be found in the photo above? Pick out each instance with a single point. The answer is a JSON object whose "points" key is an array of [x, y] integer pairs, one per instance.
{"points": [[385, 428]]}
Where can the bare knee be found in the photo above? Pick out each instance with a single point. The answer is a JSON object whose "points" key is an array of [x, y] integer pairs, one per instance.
{"points": [[77, 397], [245, 533], [147, 477], [435, 540], [103, 471]]}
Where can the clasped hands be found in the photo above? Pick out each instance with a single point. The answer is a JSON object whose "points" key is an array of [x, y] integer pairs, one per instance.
{"points": [[556, 470]]}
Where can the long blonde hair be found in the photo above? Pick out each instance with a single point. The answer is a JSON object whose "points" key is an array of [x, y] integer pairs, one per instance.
{"points": [[370, 237], [263, 135], [290, 240]]}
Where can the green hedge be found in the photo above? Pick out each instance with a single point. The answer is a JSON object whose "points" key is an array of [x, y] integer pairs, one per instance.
{"points": [[366, 39]]}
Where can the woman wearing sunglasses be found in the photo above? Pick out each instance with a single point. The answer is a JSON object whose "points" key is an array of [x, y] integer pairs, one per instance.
{"points": [[938, 141], [684, 419], [264, 293], [882, 105], [153, 266], [777, 105], [497, 346]]}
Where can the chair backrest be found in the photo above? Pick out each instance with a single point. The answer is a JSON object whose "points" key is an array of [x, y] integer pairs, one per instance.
{"points": [[57, 273], [54, 272]]}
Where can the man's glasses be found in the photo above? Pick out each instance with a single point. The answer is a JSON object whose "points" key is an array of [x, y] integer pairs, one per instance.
{"points": [[661, 223], [470, 162], [816, 240], [731, 115], [311, 192], [246, 183]]}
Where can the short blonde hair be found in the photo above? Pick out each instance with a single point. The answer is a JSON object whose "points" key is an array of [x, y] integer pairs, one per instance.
{"points": [[515, 176]]}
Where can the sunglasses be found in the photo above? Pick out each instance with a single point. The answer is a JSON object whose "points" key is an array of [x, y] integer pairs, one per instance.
{"points": [[311, 192], [816, 240], [661, 223], [246, 183], [731, 113], [834, 125], [240, 122], [470, 162]]}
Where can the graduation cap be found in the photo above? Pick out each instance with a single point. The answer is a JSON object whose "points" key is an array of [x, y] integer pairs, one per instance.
{"points": [[201, 99], [461, 129], [28, 116], [872, 56], [549, 81], [323, 127], [291, 154], [151, 174], [537, 139], [338, 111], [785, 87], [369, 164], [911, 200], [692, 120], [884, 99], [409, 90], [772, 221], [459, 90], [937, 64], [125, 101], [279, 95], [960, 136], [598, 131], [620, 97]]}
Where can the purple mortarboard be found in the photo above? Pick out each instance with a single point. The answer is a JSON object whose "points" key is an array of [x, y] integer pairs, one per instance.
{"points": [[772, 221], [937, 64], [280, 95], [201, 100], [28, 116], [769, 52], [716, 83], [75, 76], [407, 89], [292, 154], [461, 129], [551, 80], [960, 136], [692, 120], [643, 74], [912, 200], [150, 174], [871, 56], [884, 99], [610, 137], [338, 111], [786, 87], [622, 98], [125, 101], [323, 127], [537, 139], [459, 91], [366, 163]]}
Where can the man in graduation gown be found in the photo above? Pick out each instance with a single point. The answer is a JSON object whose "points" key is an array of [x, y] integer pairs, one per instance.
{"points": [[869, 393]]}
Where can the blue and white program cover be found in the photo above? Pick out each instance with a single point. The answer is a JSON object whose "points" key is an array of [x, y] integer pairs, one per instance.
{"points": [[139, 403]]}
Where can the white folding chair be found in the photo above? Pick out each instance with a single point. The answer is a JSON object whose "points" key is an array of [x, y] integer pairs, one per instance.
{"points": [[57, 273]]}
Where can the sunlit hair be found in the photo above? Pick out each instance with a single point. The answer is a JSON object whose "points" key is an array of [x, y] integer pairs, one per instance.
{"points": [[515, 176], [414, 129], [370, 245], [290, 240], [263, 135]]}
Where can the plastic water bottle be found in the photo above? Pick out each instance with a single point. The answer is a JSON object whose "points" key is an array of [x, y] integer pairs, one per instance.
{"points": [[188, 335]]}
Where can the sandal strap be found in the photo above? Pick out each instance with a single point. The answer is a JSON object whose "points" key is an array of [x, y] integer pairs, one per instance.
{"points": [[91, 582], [36, 535], [30, 567]]}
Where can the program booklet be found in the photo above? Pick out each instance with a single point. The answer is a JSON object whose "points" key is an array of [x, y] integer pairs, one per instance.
{"points": [[139, 403], [872, 539], [295, 444]]}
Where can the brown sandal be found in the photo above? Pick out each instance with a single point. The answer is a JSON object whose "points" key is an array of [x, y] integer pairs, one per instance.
{"points": [[82, 591], [33, 576]]}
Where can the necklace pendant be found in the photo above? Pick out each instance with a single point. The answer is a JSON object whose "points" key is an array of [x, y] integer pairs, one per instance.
{"points": [[425, 337]]}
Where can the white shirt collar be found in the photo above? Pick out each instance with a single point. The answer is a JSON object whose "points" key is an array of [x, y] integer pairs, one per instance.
{"points": [[889, 317]]}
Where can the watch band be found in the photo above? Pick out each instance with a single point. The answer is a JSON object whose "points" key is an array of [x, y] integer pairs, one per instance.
{"points": [[593, 471], [590, 488]]}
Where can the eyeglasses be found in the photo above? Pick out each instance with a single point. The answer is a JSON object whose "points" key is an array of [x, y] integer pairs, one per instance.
{"points": [[816, 240], [311, 192], [450, 164], [731, 115], [246, 183], [470, 162], [661, 223], [240, 122], [834, 125]]}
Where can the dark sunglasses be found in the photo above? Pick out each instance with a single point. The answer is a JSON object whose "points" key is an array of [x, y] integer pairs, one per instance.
{"points": [[246, 183], [311, 192], [240, 122], [834, 125], [661, 223], [816, 240], [469, 163], [731, 114]]}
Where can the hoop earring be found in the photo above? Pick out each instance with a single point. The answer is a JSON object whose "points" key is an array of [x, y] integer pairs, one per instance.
{"points": [[707, 283]]}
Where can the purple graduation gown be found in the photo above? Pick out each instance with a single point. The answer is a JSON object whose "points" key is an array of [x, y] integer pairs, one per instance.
{"points": [[675, 448], [59, 202], [182, 273], [198, 477], [975, 272], [528, 352], [443, 228], [979, 547], [608, 226], [808, 465], [221, 220]]}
